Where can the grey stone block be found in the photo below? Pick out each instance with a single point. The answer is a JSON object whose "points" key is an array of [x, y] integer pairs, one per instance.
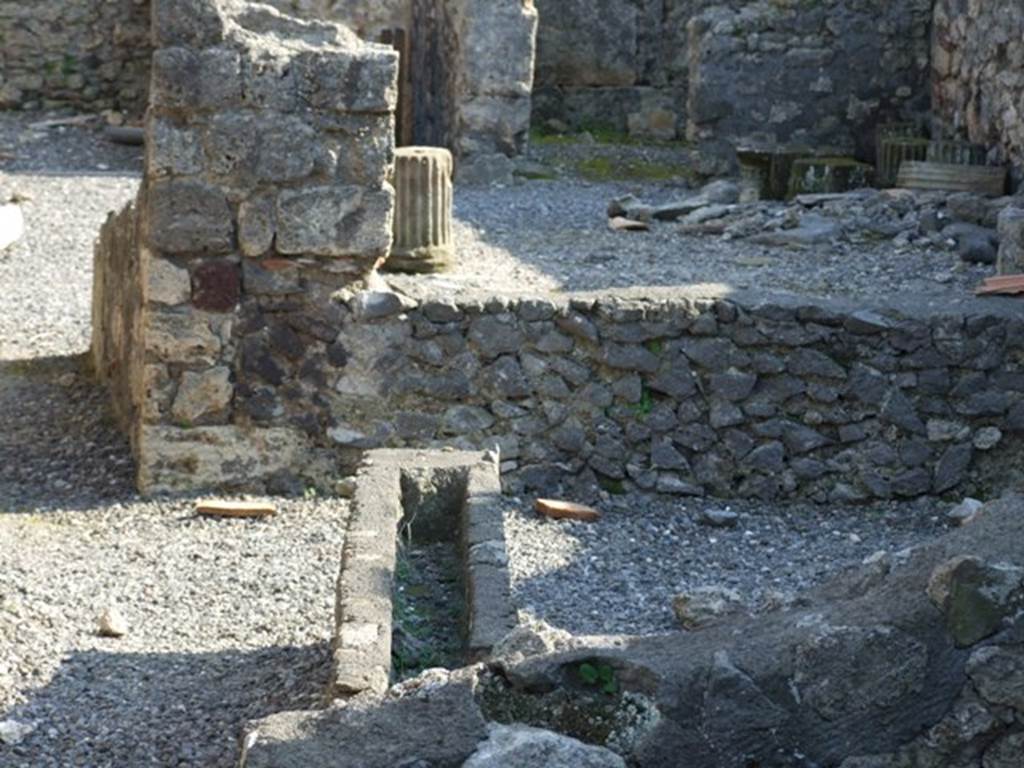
{"points": [[334, 221], [189, 217]]}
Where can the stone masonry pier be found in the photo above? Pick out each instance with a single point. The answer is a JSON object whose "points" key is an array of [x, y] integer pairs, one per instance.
{"points": [[269, 145]]}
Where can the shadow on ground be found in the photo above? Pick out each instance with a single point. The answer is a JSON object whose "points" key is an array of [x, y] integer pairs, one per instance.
{"points": [[59, 445], [131, 710]]}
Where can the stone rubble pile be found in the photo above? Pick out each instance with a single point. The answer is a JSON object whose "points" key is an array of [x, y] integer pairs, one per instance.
{"points": [[972, 225]]}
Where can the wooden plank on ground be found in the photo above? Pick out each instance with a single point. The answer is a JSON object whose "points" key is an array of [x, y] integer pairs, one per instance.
{"points": [[1001, 285], [220, 508], [566, 510]]}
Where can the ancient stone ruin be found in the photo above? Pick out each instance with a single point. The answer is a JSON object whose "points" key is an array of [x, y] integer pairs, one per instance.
{"points": [[257, 335]]}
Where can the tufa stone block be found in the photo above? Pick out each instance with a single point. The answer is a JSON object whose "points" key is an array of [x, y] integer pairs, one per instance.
{"points": [[202, 396], [189, 80], [334, 221], [193, 23], [189, 217]]}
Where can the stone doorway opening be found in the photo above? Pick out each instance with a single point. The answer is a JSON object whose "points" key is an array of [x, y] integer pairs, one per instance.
{"points": [[426, 87], [467, 67]]}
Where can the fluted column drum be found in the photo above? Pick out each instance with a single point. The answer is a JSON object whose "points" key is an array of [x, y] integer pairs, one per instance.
{"points": [[423, 211]]}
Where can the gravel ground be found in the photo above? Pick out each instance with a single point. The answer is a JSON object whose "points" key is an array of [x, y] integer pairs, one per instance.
{"points": [[73, 178], [26, 147], [229, 620], [619, 575], [540, 235]]}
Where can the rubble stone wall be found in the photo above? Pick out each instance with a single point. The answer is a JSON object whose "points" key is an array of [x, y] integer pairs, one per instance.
{"points": [[978, 71], [88, 54], [269, 146], [727, 396], [618, 64], [116, 348], [821, 74]]}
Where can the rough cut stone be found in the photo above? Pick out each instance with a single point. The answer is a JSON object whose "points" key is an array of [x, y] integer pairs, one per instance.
{"points": [[189, 217], [702, 606], [181, 338], [369, 732], [527, 747], [466, 419], [998, 675], [1011, 241], [167, 283], [187, 79], [334, 221], [975, 596], [202, 395], [175, 459], [172, 150], [256, 225]]}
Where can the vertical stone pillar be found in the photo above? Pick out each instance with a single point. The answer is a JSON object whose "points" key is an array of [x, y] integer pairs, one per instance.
{"points": [[423, 211], [268, 151]]}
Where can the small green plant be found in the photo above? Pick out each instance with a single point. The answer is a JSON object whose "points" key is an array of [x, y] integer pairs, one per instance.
{"points": [[310, 493], [537, 175], [655, 346], [606, 169], [600, 676], [611, 485], [646, 404], [541, 137]]}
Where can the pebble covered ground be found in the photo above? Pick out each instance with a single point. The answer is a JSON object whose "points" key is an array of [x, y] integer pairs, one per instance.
{"points": [[73, 178], [620, 574], [227, 620]]}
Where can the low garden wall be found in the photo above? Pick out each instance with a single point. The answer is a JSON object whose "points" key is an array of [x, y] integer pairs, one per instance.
{"points": [[730, 395], [688, 394]]}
